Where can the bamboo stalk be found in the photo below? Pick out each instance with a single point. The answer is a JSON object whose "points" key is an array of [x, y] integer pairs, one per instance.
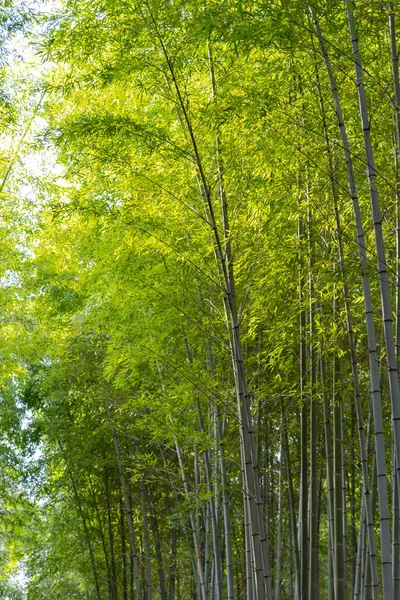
{"points": [[370, 326], [387, 316]]}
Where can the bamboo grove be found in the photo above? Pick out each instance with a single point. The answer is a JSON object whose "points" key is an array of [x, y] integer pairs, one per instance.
{"points": [[200, 300]]}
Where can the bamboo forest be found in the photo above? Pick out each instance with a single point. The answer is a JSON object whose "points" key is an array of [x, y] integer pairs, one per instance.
{"points": [[199, 300]]}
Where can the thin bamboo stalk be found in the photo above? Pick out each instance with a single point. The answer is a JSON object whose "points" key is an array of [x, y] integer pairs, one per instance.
{"points": [[395, 490], [339, 564], [278, 582]]}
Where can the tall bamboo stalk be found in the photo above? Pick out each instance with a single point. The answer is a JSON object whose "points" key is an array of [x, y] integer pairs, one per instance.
{"points": [[213, 518], [103, 539], [387, 316], [84, 523], [360, 547], [373, 356], [278, 582], [329, 472], [340, 549], [196, 541], [223, 253], [352, 348], [303, 499], [128, 511], [172, 569], [313, 518], [158, 552], [146, 534], [124, 563], [227, 516], [114, 590], [292, 514], [395, 490]]}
